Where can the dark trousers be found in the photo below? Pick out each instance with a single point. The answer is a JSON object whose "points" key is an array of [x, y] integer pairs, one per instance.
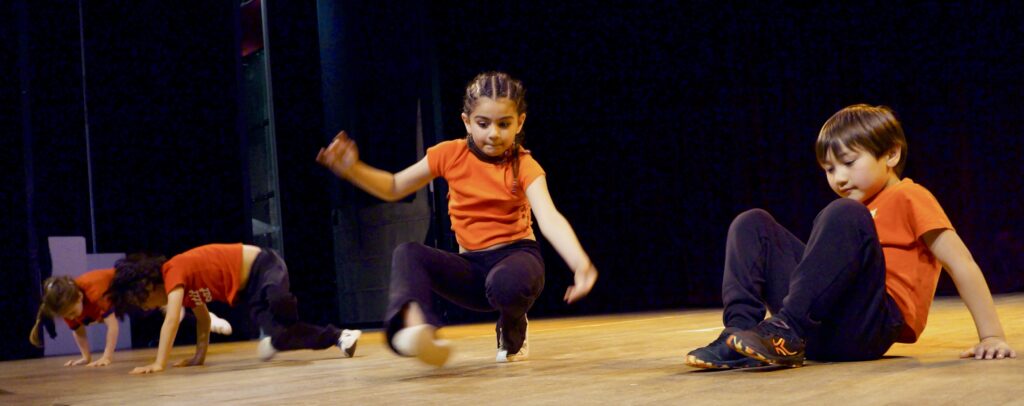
{"points": [[508, 279], [831, 291], [273, 307]]}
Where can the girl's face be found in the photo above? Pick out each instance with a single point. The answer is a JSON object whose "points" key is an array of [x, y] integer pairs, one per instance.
{"points": [[858, 174], [72, 311], [493, 124]]}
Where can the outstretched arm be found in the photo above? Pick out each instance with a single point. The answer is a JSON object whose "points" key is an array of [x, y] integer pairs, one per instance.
{"points": [[108, 349], [342, 158], [951, 251], [557, 230], [82, 341], [202, 337], [167, 333]]}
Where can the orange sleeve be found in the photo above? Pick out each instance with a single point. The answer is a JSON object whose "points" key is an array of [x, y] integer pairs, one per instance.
{"points": [[924, 212], [529, 170], [174, 277], [438, 157]]}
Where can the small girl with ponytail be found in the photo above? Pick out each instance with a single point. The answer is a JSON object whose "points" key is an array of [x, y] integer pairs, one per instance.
{"points": [[80, 302], [493, 185]]}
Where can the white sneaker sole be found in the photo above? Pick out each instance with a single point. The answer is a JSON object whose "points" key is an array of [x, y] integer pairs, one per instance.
{"points": [[348, 341]]}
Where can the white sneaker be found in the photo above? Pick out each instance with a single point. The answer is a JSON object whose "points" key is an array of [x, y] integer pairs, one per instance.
{"points": [[347, 342], [418, 341], [265, 350], [219, 325], [524, 351]]}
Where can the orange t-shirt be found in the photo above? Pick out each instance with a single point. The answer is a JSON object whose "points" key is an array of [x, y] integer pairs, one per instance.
{"points": [[95, 307], [483, 210], [207, 273], [903, 213]]}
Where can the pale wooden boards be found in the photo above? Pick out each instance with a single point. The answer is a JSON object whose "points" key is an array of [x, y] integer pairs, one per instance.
{"points": [[619, 359]]}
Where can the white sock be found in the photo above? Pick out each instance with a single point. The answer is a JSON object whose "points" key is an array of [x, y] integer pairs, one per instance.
{"points": [[418, 341], [219, 325], [407, 340]]}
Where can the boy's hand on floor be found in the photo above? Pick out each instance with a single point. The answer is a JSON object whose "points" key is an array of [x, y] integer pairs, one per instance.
{"points": [[990, 348]]}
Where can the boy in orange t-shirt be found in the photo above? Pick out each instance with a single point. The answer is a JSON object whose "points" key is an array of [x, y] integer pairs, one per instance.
{"points": [[867, 275]]}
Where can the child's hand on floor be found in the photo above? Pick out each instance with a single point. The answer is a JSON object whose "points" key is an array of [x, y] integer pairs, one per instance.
{"points": [[990, 348]]}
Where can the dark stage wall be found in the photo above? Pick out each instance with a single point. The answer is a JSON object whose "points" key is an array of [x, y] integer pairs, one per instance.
{"points": [[657, 123]]}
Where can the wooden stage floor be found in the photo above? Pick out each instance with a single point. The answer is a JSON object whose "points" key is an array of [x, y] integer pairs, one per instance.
{"points": [[619, 359]]}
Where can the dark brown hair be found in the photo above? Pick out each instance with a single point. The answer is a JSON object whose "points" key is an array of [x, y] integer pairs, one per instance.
{"points": [[874, 129], [134, 276]]}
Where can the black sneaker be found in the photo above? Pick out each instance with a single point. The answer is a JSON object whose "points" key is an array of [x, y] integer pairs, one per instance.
{"points": [[717, 355], [524, 350], [772, 341]]}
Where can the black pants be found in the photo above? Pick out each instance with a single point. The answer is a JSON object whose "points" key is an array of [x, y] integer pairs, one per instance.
{"points": [[831, 291], [508, 279], [273, 307]]}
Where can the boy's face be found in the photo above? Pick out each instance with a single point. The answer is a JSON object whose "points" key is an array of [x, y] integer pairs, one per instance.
{"points": [[493, 124], [858, 174]]}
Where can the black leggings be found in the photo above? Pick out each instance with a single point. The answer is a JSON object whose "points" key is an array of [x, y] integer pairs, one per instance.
{"points": [[831, 291], [273, 307], [508, 279]]}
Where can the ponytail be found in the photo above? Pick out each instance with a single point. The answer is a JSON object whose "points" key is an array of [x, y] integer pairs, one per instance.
{"points": [[36, 336], [59, 292]]}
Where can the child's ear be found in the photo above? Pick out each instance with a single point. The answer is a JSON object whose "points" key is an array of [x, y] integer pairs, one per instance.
{"points": [[465, 121], [892, 158]]}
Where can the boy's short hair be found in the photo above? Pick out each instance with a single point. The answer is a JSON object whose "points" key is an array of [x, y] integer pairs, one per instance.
{"points": [[874, 129]]}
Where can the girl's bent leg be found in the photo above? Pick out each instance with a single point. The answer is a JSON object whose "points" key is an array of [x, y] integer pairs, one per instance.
{"points": [[416, 271], [513, 284]]}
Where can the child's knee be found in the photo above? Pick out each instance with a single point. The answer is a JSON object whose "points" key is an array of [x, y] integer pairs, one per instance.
{"points": [[409, 251], [750, 220], [511, 287], [283, 305], [846, 210]]}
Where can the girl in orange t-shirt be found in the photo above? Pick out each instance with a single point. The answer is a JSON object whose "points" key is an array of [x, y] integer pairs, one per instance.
{"points": [[80, 302], [494, 184]]}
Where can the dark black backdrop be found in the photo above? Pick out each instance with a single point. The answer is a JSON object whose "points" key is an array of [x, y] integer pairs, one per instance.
{"points": [[656, 122]]}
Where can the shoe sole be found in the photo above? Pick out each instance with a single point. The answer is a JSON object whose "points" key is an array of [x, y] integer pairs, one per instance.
{"points": [[736, 344], [695, 362], [350, 351]]}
